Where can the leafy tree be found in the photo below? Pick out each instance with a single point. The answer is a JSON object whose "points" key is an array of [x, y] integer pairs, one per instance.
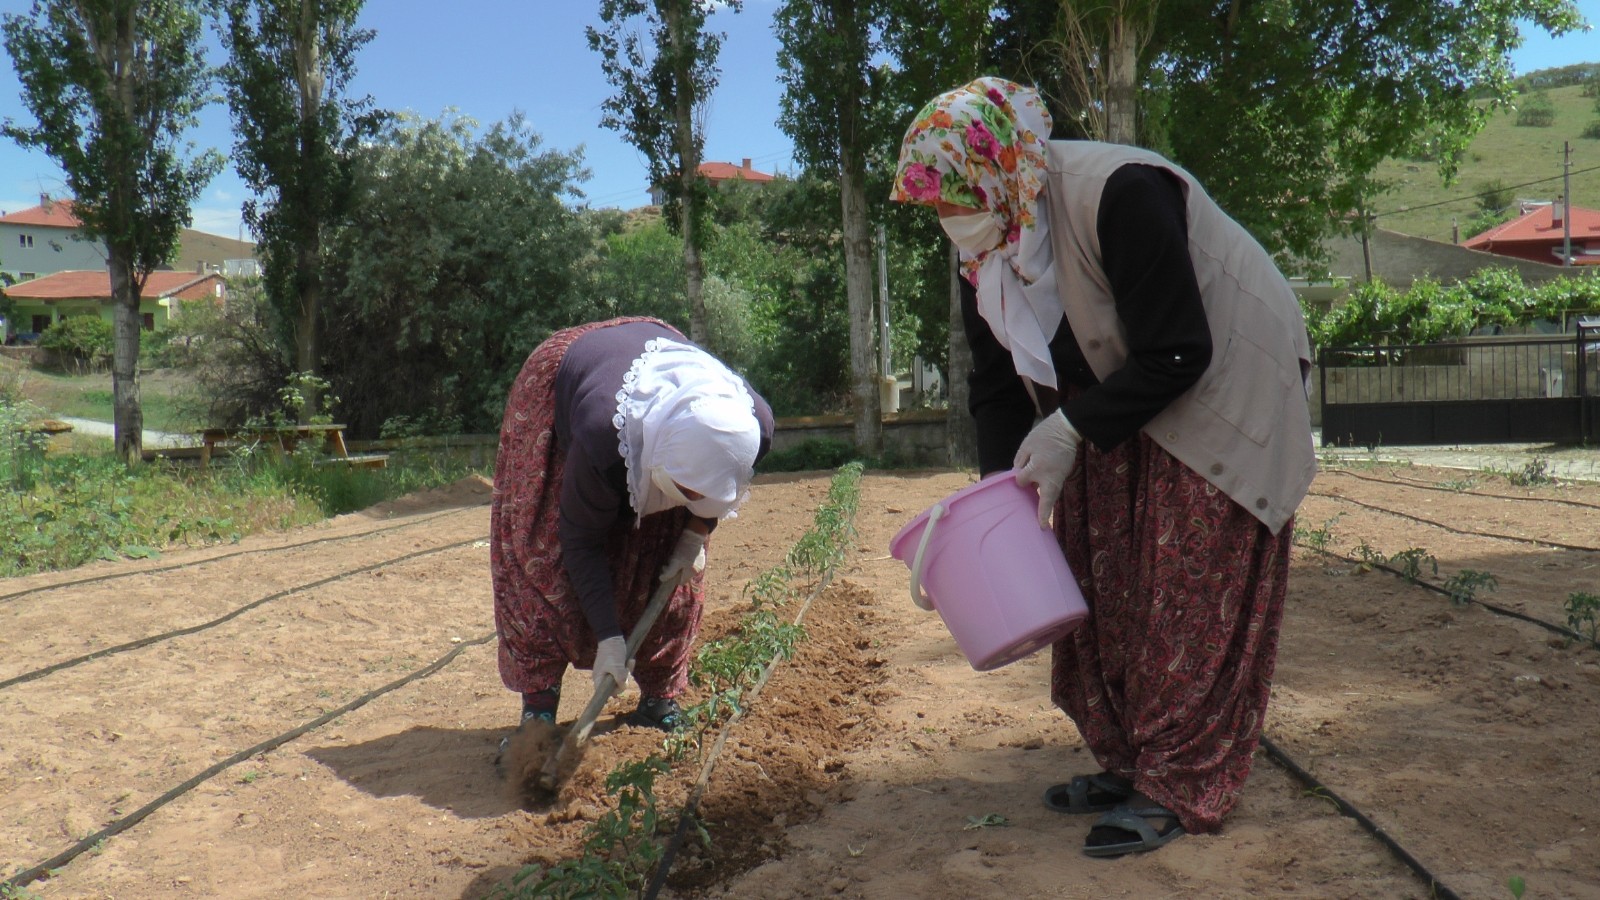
{"points": [[825, 60], [456, 257], [113, 84], [289, 64], [662, 62], [1285, 109]]}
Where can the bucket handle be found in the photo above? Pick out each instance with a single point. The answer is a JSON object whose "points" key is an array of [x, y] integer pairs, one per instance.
{"points": [[918, 596]]}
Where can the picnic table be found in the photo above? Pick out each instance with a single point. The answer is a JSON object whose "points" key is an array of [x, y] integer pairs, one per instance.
{"points": [[283, 439]]}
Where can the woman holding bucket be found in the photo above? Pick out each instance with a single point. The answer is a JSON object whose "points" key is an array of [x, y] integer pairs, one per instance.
{"points": [[622, 446], [1138, 358]]}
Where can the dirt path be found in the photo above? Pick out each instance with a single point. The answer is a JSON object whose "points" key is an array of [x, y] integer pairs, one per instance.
{"points": [[1468, 736]]}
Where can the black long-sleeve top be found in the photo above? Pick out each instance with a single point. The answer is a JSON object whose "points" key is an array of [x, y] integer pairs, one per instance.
{"points": [[1142, 225]]}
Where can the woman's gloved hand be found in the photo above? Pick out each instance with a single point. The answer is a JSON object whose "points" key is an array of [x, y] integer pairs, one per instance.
{"points": [[688, 558], [611, 658], [1046, 458]]}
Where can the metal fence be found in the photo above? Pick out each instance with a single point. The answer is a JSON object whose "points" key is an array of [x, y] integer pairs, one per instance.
{"points": [[1477, 390]]}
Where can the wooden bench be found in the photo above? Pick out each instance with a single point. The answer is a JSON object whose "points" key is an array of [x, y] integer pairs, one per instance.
{"points": [[284, 439]]}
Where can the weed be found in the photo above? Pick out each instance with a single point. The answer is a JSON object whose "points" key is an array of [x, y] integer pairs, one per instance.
{"points": [[1583, 614], [1459, 485], [1534, 472], [1516, 884], [991, 820], [249, 777], [1463, 586], [1410, 563]]}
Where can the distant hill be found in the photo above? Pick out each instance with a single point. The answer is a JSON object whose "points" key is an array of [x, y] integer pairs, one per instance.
{"points": [[197, 247], [1502, 152]]}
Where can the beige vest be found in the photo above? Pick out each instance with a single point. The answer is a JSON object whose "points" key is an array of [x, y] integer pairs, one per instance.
{"points": [[1245, 426]]}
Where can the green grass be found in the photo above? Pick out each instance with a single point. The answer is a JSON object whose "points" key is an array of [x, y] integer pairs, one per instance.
{"points": [[1504, 152], [163, 396]]}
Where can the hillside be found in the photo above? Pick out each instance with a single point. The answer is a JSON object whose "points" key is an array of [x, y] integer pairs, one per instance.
{"points": [[1502, 152]]}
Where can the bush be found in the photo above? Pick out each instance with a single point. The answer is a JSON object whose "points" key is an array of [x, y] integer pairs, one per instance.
{"points": [[85, 341], [818, 453], [1592, 130], [1536, 117]]}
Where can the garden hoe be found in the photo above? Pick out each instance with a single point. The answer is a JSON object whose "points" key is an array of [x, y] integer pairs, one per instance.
{"points": [[560, 763]]}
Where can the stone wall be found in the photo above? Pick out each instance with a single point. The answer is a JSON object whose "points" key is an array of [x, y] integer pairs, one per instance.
{"points": [[1399, 259]]}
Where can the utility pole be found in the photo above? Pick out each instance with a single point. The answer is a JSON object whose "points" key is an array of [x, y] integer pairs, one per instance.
{"points": [[1566, 203]]}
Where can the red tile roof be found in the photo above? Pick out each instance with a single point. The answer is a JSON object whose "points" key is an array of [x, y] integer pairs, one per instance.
{"points": [[1539, 226], [55, 214], [96, 285], [721, 171]]}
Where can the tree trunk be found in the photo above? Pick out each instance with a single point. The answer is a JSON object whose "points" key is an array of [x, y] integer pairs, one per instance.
{"points": [[127, 414], [689, 166], [858, 289], [961, 437], [1122, 57], [311, 80]]}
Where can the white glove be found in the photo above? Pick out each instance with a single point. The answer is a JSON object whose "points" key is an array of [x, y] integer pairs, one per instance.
{"points": [[611, 658], [688, 558], [1046, 458]]}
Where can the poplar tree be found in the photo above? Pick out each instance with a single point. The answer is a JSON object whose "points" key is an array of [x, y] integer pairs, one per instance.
{"points": [[113, 86]]}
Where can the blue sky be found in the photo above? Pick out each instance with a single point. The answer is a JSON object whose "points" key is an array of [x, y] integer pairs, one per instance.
{"points": [[487, 58]]}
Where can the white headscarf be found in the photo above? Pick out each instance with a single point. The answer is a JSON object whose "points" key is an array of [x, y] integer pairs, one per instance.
{"points": [[983, 145], [684, 418]]}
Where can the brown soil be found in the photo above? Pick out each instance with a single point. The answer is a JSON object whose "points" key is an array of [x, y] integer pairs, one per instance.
{"points": [[867, 766]]}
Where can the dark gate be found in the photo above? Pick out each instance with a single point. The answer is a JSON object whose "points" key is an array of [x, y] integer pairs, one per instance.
{"points": [[1475, 391]]}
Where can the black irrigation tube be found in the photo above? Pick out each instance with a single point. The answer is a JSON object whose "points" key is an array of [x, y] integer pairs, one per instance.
{"points": [[1402, 482], [1491, 607], [1453, 530], [664, 867], [1436, 888], [123, 824], [77, 582], [181, 632]]}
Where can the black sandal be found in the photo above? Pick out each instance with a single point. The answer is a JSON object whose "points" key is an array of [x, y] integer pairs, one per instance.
{"points": [[1132, 821], [1088, 793]]}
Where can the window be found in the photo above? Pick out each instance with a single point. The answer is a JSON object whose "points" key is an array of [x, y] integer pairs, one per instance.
{"points": [[26, 240], [27, 276], [147, 321]]}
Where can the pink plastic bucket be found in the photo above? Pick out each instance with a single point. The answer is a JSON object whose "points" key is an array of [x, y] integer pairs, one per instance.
{"points": [[999, 581]]}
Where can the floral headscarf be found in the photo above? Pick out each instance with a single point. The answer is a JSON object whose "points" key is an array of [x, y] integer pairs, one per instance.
{"points": [[983, 145]]}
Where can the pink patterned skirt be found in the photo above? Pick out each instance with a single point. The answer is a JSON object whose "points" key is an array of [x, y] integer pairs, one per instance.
{"points": [[1168, 679], [541, 625]]}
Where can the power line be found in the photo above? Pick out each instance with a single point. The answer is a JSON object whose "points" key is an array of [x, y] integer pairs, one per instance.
{"points": [[1482, 195]]}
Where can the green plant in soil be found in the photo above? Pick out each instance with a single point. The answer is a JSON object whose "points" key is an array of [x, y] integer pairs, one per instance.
{"points": [[1410, 563], [1583, 614], [621, 847], [1533, 473], [1319, 538], [1463, 586], [1369, 557]]}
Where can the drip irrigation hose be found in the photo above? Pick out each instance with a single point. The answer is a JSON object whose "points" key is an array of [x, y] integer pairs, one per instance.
{"points": [[1453, 530], [123, 824], [78, 582], [1491, 607], [181, 632], [664, 867], [1402, 482], [1436, 888]]}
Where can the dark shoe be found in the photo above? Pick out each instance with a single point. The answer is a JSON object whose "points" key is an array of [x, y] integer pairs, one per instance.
{"points": [[1111, 832], [1088, 793], [547, 716], [657, 712]]}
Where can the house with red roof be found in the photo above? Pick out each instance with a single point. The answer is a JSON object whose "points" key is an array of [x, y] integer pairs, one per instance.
{"points": [[40, 303], [46, 238], [718, 173], [1540, 235]]}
